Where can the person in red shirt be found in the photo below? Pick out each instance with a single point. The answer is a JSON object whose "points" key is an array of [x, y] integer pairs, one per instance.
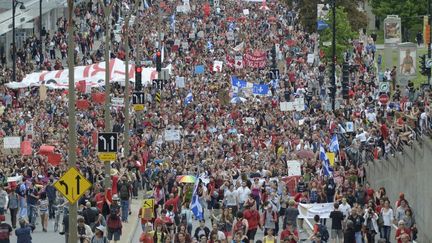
{"points": [[289, 234], [402, 232], [253, 217], [174, 201]]}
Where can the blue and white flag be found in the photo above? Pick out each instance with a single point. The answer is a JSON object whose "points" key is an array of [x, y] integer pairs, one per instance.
{"points": [[189, 98], [146, 6], [334, 144], [327, 170], [172, 22], [274, 83], [238, 82], [260, 89], [195, 205]]}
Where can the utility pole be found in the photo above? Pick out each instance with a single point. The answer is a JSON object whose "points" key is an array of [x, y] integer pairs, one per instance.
{"points": [[333, 78], [107, 116], [126, 96], [73, 231], [40, 29]]}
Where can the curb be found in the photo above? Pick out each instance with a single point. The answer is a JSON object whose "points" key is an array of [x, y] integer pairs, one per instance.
{"points": [[134, 230]]}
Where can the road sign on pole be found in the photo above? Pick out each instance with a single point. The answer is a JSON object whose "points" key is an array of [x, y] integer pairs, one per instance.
{"points": [[138, 100], [274, 73], [384, 87], [72, 185], [107, 146]]}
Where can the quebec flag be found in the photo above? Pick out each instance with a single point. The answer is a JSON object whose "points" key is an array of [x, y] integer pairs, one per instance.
{"points": [[238, 82], [260, 89], [189, 98], [327, 170], [334, 144], [195, 205]]}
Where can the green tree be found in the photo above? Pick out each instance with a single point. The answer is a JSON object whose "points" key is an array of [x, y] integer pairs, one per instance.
{"points": [[410, 12], [307, 11], [344, 35]]}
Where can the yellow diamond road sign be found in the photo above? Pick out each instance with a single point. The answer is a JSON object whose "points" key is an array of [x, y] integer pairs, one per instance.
{"points": [[72, 185]]}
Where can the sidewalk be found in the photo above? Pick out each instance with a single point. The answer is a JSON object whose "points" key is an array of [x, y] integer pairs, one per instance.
{"points": [[130, 228]]}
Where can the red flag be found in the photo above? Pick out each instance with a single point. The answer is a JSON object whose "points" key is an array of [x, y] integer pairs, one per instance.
{"points": [[54, 159], [46, 150], [82, 104], [94, 138], [81, 86], [26, 148], [98, 98]]}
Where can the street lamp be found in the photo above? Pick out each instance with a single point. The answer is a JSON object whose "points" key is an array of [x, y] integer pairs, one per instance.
{"points": [[15, 4]]}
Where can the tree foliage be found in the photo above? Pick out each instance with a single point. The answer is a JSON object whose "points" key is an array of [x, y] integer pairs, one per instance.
{"points": [[308, 13], [410, 11], [344, 34]]}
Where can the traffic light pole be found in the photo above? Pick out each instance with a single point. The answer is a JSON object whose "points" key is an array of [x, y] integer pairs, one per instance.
{"points": [[107, 114], [73, 235], [430, 38], [333, 78]]}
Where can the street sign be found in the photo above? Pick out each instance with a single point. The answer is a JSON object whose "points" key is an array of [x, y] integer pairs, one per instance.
{"points": [[148, 203], [383, 99], [274, 73], [147, 209], [107, 146], [72, 185], [107, 142], [159, 83], [384, 87], [138, 98]]}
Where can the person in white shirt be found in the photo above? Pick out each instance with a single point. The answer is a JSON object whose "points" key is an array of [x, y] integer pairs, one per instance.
{"points": [[345, 208], [231, 198], [243, 194], [388, 218]]}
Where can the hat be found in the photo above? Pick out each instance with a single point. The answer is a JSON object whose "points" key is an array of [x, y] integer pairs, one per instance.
{"points": [[115, 197], [101, 228], [401, 222], [113, 172]]}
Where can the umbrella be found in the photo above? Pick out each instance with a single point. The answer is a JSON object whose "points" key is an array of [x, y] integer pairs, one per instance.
{"points": [[186, 179], [309, 154]]}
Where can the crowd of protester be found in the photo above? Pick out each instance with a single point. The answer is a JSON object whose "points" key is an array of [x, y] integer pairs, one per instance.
{"points": [[238, 150]]}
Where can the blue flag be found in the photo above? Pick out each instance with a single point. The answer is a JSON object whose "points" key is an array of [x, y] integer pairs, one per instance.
{"points": [[260, 89], [238, 82], [189, 98], [195, 205], [321, 25], [327, 170], [199, 69], [172, 22], [334, 144]]}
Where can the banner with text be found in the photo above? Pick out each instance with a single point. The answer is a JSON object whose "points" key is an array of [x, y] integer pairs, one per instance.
{"points": [[309, 210]]}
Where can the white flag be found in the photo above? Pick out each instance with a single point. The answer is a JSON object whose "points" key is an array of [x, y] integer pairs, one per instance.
{"points": [[239, 47]]}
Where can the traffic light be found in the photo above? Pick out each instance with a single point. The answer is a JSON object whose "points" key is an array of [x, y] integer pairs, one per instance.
{"points": [[273, 56], [423, 68], [345, 80], [138, 78], [158, 61]]}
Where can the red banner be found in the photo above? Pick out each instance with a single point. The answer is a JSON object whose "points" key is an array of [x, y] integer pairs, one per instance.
{"points": [[257, 59]]}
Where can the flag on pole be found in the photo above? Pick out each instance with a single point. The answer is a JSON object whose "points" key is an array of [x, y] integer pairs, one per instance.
{"points": [[195, 205], [334, 144], [189, 98], [146, 6], [327, 170]]}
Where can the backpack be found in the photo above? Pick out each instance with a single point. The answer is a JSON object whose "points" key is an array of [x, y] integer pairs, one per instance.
{"points": [[124, 191], [323, 232]]}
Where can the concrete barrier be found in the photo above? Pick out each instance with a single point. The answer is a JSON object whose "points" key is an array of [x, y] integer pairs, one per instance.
{"points": [[408, 172]]}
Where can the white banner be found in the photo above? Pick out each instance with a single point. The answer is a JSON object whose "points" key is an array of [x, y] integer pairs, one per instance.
{"points": [[12, 142], [287, 106], [180, 82], [309, 210], [172, 135], [93, 74], [116, 101], [299, 104], [294, 167]]}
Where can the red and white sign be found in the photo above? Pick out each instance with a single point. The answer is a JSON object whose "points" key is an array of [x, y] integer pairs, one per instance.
{"points": [[93, 75], [257, 59], [383, 99], [238, 62], [217, 66]]}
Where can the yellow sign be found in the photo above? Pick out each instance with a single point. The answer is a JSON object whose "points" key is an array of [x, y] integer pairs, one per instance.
{"points": [[139, 107], [106, 157], [331, 157], [147, 209], [148, 204], [72, 185]]}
